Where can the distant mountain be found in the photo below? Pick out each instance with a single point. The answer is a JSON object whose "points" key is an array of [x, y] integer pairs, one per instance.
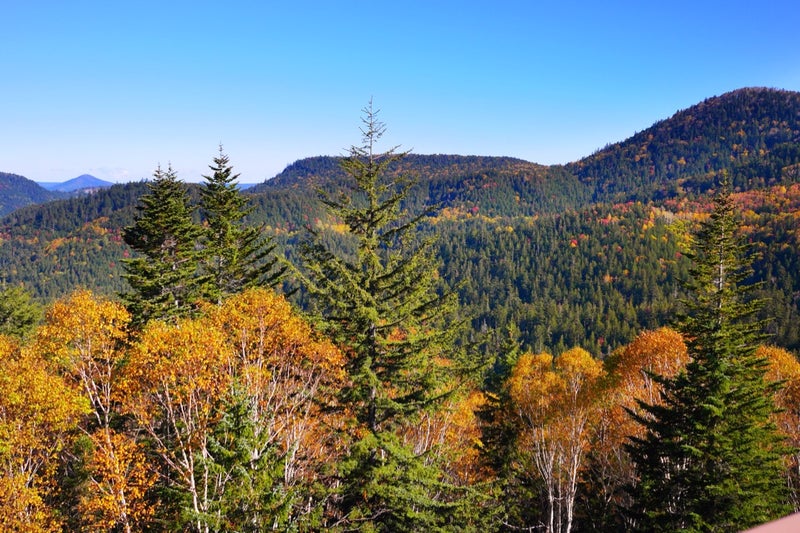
{"points": [[753, 134], [18, 191], [82, 182]]}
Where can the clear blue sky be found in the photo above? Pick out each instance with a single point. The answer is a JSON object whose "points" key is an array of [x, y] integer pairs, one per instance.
{"points": [[115, 88]]}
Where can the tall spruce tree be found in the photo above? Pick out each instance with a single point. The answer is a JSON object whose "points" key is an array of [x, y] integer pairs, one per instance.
{"points": [[165, 278], [378, 302], [710, 459], [236, 256]]}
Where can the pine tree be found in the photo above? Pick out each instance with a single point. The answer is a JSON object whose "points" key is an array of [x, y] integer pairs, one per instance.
{"points": [[164, 278], [236, 256], [710, 459], [379, 304]]}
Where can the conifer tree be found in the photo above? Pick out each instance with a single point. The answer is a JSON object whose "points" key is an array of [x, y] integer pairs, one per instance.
{"points": [[379, 304], [236, 256], [164, 278], [518, 491], [250, 495], [710, 459], [498, 429], [18, 313]]}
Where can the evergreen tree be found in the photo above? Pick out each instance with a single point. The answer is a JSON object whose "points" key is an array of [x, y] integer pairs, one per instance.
{"points": [[710, 459], [378, 302], [498, 429], [18, 314], [249, 472], [164, 278], [519, 492], [236, 256]]}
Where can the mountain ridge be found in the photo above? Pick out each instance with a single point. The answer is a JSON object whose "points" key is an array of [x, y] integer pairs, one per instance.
{"points": [[582, 254], [737, 129], [17, 191]]}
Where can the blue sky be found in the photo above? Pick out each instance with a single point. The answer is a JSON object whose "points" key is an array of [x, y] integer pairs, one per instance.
{"points": [[116, 88]]}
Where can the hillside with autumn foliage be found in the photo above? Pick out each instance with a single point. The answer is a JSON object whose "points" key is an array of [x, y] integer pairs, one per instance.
{"points": [[106, 427], [416, 342], [751, 133], [587, 253]]}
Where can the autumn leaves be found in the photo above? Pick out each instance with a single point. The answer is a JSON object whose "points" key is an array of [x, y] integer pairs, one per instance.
{"points": [[92, 414], [571, 418], [228, 418]]}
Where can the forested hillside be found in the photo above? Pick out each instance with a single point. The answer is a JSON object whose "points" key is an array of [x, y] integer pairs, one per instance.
{"points": [[18, 191], [495, 185], [66, 244], [751, 133], [584, 254], [463, 343]]}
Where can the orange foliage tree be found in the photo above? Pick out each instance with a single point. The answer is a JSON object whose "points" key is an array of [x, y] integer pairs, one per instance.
{"points": [[288, 376], [629, 379], [232, 403], [452, 435], [785, 368]]}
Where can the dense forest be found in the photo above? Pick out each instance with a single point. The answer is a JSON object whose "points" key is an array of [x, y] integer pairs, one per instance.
{"points": [[597, 241], [390, 341], [18, 191]]}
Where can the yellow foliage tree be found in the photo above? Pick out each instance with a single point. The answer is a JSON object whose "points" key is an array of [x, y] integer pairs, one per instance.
{"points": [[118, 484], [172, 386], [251, 355], [84, 336], [39, 414], [556, 401]]}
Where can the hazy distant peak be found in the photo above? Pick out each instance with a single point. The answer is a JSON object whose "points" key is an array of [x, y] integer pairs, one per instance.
{"points": [[84, 181]]}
